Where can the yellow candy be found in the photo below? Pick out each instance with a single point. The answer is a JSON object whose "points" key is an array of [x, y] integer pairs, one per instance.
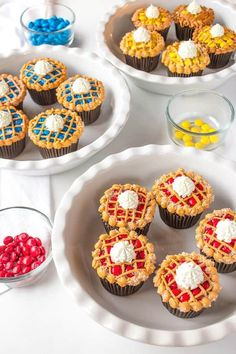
{"points": [[214, 139], [195, 130], [205, 140], [187, 138], [211, 130], [198, 122], [188, 144], [185, 124], [205, 127], [199, 145], [179, 134]]}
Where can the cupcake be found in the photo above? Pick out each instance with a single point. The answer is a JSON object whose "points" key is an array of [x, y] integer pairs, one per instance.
{"points": [[182, 197], [142, 49], [128, 205], [189, 17], [84, 95], [153, 18], [13, 129], [123, 261], [185, 59], [56, 132], [219, 41], [12, 91], [187, 283], [216, 239], [42, 76]]}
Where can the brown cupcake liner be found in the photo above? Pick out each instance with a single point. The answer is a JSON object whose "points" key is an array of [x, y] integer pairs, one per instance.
{"points": [[89, 117], [164, 33], [20, 106], [13, 150], [219, 60], [50, 153], [43, 98], [178, 313], [176, 221], [139, 231], [144, 64], [220, 266], [116, 289], [170, 74], [183, 33]]}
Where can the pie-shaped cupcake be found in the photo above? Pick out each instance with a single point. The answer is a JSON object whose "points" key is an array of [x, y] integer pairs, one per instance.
{"points": [[12, 91], [182, 197], [123, 261], [216, 238], [187, 283], [128, 205], [219, 41]]}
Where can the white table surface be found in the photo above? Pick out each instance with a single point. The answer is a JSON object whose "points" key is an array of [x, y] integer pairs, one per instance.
{"points": [[43, 319]]}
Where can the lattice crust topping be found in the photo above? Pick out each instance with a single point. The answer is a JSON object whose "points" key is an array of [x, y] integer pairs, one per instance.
{"points": [[184, 18], [16, 90], [17, 129], [185, 299], [194, 204], [163, 21], [140, 50], [176, 64], [125, 273], [116, 216], [81, 101], [208, 242], [217, 45], [69, 134], [46, 82]]}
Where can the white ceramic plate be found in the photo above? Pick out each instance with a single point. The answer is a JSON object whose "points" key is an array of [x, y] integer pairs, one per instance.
{"points": [[77, 226], [113, 116], [117, 21]]}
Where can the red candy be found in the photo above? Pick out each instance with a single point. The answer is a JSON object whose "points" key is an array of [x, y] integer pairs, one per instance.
{"points": [[7, 240]]}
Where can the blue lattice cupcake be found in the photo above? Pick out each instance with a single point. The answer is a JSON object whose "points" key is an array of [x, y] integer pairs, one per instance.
{"points": [[12, 91], [56, 132], [82, 94], [42, 76], [13, 128]]}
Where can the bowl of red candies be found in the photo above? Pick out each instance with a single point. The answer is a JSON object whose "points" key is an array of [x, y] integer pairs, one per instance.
{"points": [[25, 246]]}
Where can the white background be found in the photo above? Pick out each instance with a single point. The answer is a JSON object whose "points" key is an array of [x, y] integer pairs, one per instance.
{"points": [[43, 319]]}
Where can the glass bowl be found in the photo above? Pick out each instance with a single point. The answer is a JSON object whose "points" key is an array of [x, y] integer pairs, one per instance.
{"points": [[17, 220], [63, 36], [199, 118]]}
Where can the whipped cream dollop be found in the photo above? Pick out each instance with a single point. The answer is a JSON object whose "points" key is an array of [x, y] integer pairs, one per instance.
{"points": [[187, 49], [122, 251], [141, 35], [217, 30], [128, 200], [5, 119], [54, 122], [81, 85], [189, 275], [194, 8], [152, 11], [42, 67], [226, 230], [4, 88], [183, 186]]}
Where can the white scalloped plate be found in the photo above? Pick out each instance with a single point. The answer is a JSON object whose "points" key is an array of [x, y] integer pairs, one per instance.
{"points": [[116, 22], [113, 116], [77, 225]]}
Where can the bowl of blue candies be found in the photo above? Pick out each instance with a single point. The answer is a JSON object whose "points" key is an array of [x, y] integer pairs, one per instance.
{"points": [[48, 23]]}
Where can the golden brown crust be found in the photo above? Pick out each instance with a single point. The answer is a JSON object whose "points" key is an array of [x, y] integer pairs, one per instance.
{"points": [[16, 135], [218, 45], [48, 85], [17, 99], [164, 280], [186, 19], [140, 50], [164, 193], [129, 273], [160, 23], [57, 143], [61, 96], [112, 213], [221, 251], [172, 60]]}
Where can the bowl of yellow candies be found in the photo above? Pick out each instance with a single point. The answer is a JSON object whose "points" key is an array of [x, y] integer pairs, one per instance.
{"points": [[199, 118]]}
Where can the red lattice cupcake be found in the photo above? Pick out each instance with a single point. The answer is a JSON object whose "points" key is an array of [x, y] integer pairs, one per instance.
{"points": [[187, 283], [123, 260], [182, 197], [128, 205], [216, 238]]}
